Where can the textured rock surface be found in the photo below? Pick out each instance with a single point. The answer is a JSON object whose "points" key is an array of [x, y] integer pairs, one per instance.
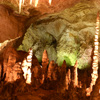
{"points": [[9, 25], [68, 35]]}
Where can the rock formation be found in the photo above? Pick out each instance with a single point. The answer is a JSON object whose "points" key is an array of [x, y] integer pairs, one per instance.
{"points": [[75, 81], [63, 70], [50, 70], [45, 62], [26, 67], [94, 74], [67, 79]]}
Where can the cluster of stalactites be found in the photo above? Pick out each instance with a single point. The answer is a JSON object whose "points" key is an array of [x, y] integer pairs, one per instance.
{"points": [[94, 74], [22, 2], [26, 67]]}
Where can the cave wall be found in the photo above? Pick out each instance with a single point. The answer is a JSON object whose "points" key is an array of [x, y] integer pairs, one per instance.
{"points": [[10, 26], [67, 35]]}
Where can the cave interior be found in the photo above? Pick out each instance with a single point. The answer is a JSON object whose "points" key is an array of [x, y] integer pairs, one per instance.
{"points": [[49, 50]]}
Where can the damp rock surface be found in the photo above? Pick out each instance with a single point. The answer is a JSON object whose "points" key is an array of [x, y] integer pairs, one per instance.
{"points": [[67, 35]]}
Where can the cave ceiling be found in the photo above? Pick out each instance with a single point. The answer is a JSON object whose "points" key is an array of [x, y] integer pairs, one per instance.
{"points": [[9, 11]]}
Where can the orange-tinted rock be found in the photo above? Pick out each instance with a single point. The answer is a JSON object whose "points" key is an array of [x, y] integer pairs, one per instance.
{"points": [[13, 73], [0, 70], [9, 58], [55, 72], [45, 62], [50, 70], [10, 27], [75, 75], [63, 70], [67, 79]]}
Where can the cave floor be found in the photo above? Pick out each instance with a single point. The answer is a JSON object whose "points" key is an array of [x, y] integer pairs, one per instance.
{"points": [[34, 94]]}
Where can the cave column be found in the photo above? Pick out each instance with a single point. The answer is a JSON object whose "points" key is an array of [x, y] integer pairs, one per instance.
{"points": [[94, 74]]}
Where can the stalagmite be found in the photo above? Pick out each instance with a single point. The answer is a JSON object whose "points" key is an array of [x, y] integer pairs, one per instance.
{"points": [[67, 79], [66, 82], [94, 74], [45, 62], [50, 70], [16, 71], [12, 70], [26, 67], [9, 68], [42, 80], [75, 81], [79, 84], [63, 70], [54, 76]]}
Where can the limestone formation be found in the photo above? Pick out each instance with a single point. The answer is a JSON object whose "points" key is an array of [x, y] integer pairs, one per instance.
{"points": [[63, 70], [26, 67], [50, 70], [67, 79], [66, 82], [69, 76], [45, 62], [13, 72], [42, 80], [8, 67], [94, 74], [55, 72], [75, 81]]}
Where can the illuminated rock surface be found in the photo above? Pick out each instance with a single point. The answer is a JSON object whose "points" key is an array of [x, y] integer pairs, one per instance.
{"points": [[68, 34]]}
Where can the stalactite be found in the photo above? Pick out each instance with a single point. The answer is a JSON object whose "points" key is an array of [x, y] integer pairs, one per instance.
{"points": [[20, 5], [36, 3], [94, 74], [50, 2], [75, 75]]}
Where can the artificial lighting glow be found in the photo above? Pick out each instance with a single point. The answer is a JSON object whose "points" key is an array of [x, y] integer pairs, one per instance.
{"points": [[50, 2], [31, 1], [96, 43], [20, 4], [23, 1], [36, 3], [26, 67]]}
